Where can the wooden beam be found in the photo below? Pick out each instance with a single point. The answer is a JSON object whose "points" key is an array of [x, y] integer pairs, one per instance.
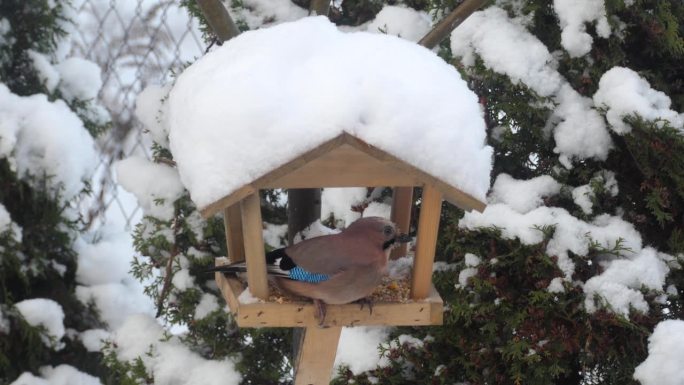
{"points": [[451, 194], [229, 200], [302, 314], [255, 256], [319, 7], [407, 175], [232, 221], [219, 19], [450, 22], [402, 202], [316, 357], [428, 226], [344, 166]]}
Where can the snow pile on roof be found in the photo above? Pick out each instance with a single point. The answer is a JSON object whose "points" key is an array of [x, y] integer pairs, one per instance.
{"points": [[270, 95], [665, 351], [47, 313], [626, 93], [573, 16], [169, 361], [43, 138]]}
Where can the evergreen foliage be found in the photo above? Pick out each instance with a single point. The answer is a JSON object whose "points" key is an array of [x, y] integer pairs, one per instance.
{"points": [[504, 326], [41, 262]]}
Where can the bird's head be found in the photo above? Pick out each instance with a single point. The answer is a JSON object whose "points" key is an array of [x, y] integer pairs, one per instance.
{"points": [[380, 230]]}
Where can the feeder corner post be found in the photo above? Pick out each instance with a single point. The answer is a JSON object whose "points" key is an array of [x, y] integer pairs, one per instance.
{"points": [[316, 356], [252, 229], [402, 202], [426, 243]]}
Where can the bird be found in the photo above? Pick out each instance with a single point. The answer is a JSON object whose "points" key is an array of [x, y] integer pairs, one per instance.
{"points": [[333, 269]]}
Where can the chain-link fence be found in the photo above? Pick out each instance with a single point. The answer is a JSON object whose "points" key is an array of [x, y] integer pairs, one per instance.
{"points": [[135, 43]]}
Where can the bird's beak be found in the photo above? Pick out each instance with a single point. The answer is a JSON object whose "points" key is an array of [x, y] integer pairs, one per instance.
{"points": [[404, 238]]}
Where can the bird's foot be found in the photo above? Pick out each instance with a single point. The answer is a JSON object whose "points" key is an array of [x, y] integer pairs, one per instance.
{"points": [[320, 311], [365, 301]]}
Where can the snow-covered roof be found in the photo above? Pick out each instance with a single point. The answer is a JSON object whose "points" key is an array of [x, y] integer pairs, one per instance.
{"points": [[268, 96]]}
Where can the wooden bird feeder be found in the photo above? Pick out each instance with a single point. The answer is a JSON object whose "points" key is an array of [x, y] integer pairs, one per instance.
{"points": [[344, 161]]}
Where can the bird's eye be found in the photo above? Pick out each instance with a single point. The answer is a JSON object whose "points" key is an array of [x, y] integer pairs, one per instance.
{"points": [[388, 230]]}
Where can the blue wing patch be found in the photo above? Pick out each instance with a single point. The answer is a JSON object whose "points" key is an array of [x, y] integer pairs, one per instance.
{"points": [[299, 274]]}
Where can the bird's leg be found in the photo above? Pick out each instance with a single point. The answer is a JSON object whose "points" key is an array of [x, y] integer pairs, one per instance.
{"points": [[366, 301], [320, 311]]}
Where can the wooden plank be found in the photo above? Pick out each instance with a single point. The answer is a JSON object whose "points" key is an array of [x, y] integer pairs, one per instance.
{"points": [[451, 194], [413, 174], [426, 243], [316, 357], [402, 202], [252, 228], [235, 243], [230, 289], [227, 201], [302, 314], [343, 166]]}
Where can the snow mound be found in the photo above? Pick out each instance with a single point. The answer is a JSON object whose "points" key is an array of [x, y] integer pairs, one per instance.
{"points": [[270, 95]]}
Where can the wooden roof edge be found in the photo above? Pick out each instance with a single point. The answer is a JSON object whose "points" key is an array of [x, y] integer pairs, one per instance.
{"points": [[451, 194]]}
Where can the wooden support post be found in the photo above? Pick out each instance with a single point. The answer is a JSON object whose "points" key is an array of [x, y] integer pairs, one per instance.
{"points": [[426, 244], [235, 243], [252, 229], [402, 201], [450, 22], [219, 19], [316, 357]]}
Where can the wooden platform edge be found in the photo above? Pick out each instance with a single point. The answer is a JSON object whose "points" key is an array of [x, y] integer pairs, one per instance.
{"points": [[301, 314]]}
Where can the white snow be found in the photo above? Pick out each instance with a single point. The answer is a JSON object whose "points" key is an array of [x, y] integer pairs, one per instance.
{"points": [[47, 73], [663, 366], [581, 131], [168, 360], [155, 185], [182, 280], [523, 195], [229, 125], [263, 13], [624, 93], [81, 79], [401, 21], [6, 224], [506, 47], [93, 339], [377, 209], [275, 235], [573, 16], [246, 297], [556, 285], [582, 195], [47, 313], [620, 283], [103, 276], [358, 348], [207, 304], [150, 109], [571, 234], [58, 375], [338, 203], [40, 138]]}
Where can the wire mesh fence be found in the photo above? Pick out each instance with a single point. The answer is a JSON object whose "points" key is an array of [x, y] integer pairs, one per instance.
{"points": [[136, 43]]}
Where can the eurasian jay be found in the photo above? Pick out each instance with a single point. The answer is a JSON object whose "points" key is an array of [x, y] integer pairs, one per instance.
{"points": [[333, 269]]}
